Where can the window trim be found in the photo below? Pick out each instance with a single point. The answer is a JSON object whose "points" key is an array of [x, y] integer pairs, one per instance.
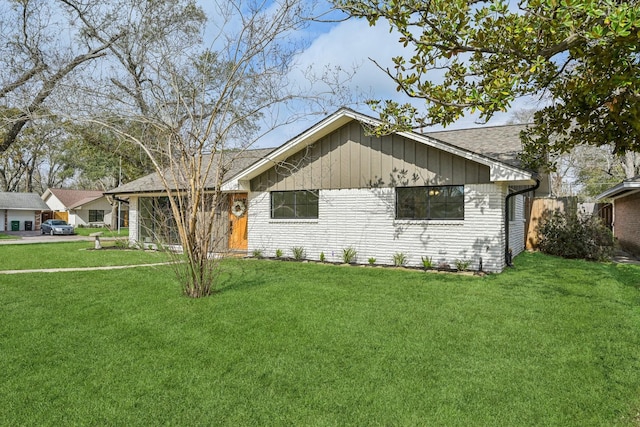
{"points": [[513, 207], [428, 189], [295, 216], [94, 211]]}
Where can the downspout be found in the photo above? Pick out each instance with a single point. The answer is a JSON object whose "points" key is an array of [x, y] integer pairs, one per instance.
{"points": [[507, 250]]}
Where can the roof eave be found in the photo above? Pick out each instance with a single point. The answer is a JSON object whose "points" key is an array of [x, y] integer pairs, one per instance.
{"points": [[623, 189], [499, 171]]}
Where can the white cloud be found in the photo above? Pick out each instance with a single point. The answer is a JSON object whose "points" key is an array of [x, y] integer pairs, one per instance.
{"points": [[349, 45]]}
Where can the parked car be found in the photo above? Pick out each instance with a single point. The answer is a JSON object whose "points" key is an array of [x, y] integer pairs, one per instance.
{"points": [[56, 226]]}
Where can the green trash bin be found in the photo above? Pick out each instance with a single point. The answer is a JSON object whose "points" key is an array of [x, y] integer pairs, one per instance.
{"points": [[15, 225]]}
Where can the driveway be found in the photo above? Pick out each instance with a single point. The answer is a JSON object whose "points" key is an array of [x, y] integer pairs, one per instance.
{"points": [[37, 237]]}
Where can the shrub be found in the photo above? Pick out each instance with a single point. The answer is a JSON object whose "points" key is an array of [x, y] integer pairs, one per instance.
{"points": [[298, 253], [349, 255], [399, 259], [444, 266], [278, 253], [122, 244], [371, 261], [427, 262], [257, 253], [322, 257], [462, 264], [570, 235]]}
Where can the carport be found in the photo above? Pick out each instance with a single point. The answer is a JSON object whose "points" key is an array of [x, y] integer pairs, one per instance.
{"points": [[20, 211]]}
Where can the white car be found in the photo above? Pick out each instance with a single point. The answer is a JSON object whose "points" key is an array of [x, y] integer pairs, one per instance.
{"points": [[56, 226]]}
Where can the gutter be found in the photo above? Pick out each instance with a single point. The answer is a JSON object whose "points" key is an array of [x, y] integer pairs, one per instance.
{"points": [[117, 199], [508, 254]]}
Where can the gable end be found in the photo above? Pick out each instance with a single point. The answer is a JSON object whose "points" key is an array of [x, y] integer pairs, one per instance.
{"points": [[349, 158]]}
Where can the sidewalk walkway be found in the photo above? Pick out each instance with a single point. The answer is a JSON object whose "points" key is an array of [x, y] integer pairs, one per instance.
{"points": [[26, 237], [60, 270], [622, 257]]}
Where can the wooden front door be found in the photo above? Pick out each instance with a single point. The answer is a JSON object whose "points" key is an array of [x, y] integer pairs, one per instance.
{"points": [[238, 222]]}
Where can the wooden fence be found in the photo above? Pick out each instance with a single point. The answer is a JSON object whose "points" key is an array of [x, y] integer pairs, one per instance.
{"points": [[538, 208]]}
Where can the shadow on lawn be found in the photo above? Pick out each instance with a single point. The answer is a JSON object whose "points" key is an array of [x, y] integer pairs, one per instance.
{"points": [[240, 278]]}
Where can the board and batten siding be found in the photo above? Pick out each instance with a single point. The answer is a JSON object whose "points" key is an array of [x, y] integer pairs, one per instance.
{"points": [[349, 158], [364, 219]]}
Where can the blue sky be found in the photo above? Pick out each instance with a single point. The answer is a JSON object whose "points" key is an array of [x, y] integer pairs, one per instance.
{"points": [[350, 44]]}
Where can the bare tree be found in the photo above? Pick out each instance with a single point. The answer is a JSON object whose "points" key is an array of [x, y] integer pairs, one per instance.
{"points": [[40, 47], [196, 113], [35, 161], [585, 169]]}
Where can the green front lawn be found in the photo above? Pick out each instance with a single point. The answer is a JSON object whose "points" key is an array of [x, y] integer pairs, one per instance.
{"points": [[71, 254], [106, 232], [550, 342]]}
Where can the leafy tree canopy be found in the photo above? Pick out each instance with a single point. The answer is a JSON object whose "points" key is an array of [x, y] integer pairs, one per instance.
{"points": [[480, 56]]}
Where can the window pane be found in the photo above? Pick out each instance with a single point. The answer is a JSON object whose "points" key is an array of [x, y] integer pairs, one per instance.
{"points": [[294, 204], [411, 203], [438, 211], [431, 202]]}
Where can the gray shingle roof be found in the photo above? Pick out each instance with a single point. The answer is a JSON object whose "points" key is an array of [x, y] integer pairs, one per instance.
{"points": [[22, 202], [500, 143], [233, 161]]}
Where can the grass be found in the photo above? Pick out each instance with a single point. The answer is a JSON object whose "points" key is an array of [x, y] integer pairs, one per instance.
{"points": [[106, 232], [70, 254], [8, 237], [550, 342]]}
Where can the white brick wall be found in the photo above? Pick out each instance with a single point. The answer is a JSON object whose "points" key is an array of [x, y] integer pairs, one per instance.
{"points": [[516, 227], [364, 219], [133, 219]]}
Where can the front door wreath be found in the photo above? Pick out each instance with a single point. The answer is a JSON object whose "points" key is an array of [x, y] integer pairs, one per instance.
{"points": [[238, 208]]}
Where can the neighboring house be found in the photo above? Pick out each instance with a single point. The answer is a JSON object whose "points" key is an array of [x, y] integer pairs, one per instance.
{"points": [[82, 207], [451, 195], [626, 213], [20, 211]]}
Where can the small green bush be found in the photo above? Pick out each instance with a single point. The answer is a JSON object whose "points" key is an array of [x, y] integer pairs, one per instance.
{"points": [[349, 255], [462, 264], [298, 253], [570, 235], [371, 261], [399, 259], [427, 262], [322, 257], [257, 253], [278, 253]]}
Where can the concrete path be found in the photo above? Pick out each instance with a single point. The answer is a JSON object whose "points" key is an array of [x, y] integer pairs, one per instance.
{"points": [[62, 270], [622, 257], [26, 237]]}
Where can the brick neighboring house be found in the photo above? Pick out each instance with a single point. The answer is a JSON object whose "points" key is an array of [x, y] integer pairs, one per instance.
{"points": [[626, 213]]}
